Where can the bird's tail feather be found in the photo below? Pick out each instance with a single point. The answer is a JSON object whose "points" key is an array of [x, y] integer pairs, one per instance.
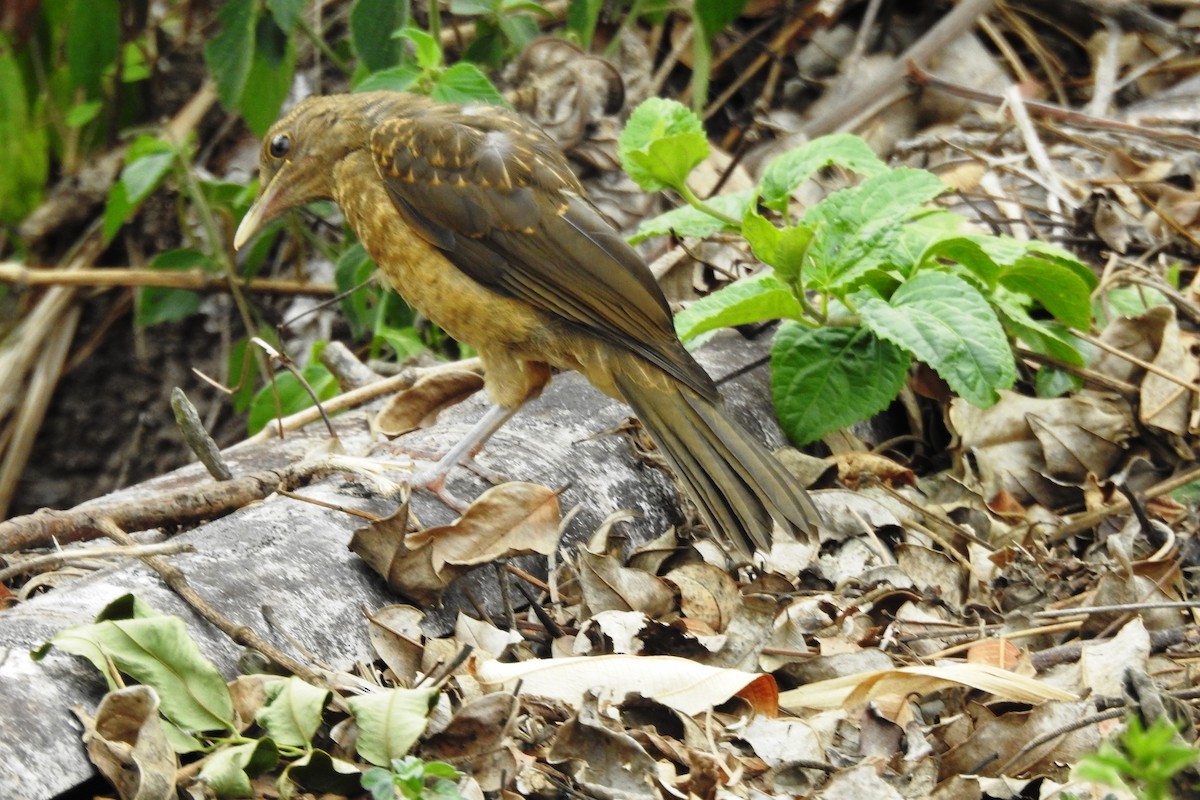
{"points": [[741, 489]]}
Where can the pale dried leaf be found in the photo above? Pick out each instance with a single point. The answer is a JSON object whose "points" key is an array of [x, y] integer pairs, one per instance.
{"points": [[419, 405]]}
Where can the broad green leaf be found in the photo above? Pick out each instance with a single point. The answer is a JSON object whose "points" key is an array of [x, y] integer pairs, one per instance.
{"points": [[784, 173], [714, 15], [1041, 336], [782, 248], [662, 142], [967, 252], [474, 8], [824, 379], [856, 228], [287, 12], [292, 712], [466, 83], [148, 163], [390, 721], [146, 174], [93, 41], [689, 221], [945, 322], [158, 652], [396, 79], [428, 51], [582, 18], [230, 53], [758, 298], [83, 113], [1058, 288], [270, 77], [519, 29], [157, 304], [1050, 382], [292, 396], [228, 771], [372, 23], [1129, 301]]}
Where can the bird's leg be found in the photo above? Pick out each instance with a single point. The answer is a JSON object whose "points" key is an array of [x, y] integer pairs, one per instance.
{"points": [[434, 479]]}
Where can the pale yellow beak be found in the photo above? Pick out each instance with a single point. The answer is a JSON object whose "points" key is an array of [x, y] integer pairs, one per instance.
{"points": [[265, 208]]}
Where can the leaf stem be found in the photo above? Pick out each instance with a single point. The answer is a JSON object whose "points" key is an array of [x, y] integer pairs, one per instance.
{"points": [[695, 202], [317, 39]]}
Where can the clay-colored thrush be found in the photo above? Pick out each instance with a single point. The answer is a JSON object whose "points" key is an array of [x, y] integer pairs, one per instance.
{"points": [[475, 217]]}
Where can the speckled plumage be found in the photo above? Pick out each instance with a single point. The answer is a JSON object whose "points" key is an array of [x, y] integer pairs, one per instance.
{"points": [[476, 218]]}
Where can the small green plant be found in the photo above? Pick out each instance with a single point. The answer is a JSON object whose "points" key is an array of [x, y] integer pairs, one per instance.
{"points": [[197, 710], [410, 778], [1143, 761], [427, 74], [866, 281]]}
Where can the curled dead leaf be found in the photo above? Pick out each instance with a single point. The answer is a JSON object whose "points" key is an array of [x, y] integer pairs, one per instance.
{"points": [[418, 406]]}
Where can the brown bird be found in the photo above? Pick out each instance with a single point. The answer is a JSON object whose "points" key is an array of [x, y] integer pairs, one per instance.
{"points": [[476, 219]]}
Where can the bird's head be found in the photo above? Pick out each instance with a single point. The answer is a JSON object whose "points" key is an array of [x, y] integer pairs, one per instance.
{"points": [[299, 153]]}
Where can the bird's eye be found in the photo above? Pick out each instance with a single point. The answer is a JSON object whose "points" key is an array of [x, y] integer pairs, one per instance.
{"points": [[280, 145]]}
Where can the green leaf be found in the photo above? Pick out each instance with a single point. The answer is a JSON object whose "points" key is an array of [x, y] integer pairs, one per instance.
{"points": [[714, 15], [1041, 336], [782, 248], [83, 113], [662, 142], [474, 8], [148, 162], [1129, 301], [293, 396], [93, 41], [24, 156], [757, 298], [945, 322], [1058, 288], [428, 51], [689, 221], [966, 251], [158, 652], [230, 53], [228, 771], [158, 304], [582, 18], [396, 79], [286, 12], [390, 721], [372, 23], [270, 77], [824, 379], [856, 229], [784, 173], [466, 83], [293, 711]]}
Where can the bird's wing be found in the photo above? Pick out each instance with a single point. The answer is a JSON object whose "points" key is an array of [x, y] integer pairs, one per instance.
{"points": [[496, 195]]}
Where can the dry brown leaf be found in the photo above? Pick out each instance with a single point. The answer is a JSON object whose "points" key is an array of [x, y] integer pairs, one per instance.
{"points": [[853, 466], [707, 594], [418, 406], [475, 740], [605, 762], [127, 744], [396, 635], [852, 690], [678, 683], [514, 518], [608, 586]]}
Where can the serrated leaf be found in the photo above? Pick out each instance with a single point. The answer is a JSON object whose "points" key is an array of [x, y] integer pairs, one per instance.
{"points": [[757, 298], [372, 23], [228, 771], [428, 50], [857, 229], [783, 248], [1058, 288], [662, 142], [784, 173], [689, 221], [230, 53], [390, 721], [396, 79], [945, 322], [293, 711], [158, 652], [824, 379], [466, 83]]}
